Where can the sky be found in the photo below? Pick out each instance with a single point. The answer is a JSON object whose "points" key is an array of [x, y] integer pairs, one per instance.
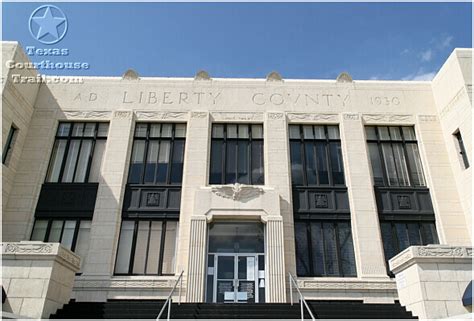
{"points": [[386, 41]]}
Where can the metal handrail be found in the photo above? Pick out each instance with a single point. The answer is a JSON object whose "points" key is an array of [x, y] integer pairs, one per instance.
{"points": [[169, 300], [302, 300]]}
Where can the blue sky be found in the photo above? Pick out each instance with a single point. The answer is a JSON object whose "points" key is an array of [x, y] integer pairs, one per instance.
{"points": [[248, 40]]}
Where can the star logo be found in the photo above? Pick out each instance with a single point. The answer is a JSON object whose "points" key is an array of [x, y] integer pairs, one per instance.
{"points": [[48, 24]]}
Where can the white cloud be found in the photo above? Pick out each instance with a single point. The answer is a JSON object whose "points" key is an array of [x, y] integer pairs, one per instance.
{"points": [[445, 42], [426, 55], [405, 51]]}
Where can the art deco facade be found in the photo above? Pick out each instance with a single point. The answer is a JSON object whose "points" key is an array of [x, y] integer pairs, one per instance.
{"points": [[238, 182]]}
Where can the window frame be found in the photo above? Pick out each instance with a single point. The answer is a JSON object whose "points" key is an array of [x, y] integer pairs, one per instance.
{"points": [[404, 143], [224, 141], [147, 139], [68, 140], [461, 149], [8, 148], [134, 243], [327, 141]]}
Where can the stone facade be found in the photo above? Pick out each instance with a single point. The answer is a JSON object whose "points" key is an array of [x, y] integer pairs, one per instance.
{"points": [[431, 280], [37, 277], [433, 108]]}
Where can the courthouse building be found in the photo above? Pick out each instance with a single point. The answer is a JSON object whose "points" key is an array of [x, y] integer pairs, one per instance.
{"points": [[237, 183]]}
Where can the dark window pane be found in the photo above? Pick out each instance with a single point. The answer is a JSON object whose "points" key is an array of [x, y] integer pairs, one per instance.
{"points": [[257, 162], [295, 132], [388, 241], [408, 133], [401, 164], [321, 157], [230, 173], [346, 250], [141, 247], [310, 163], [337, 166], [429, 234], [55, 231], [68, 234], [216, 162], [302, 251], [169, 251], [136, 164], [177, 162], [317, 247], [402, 236], [163, 161], [414, 233], [154, 247], [332, 267], [415, 165], [217, 131], [242, 162], [96, 164], [124, 247], [333, 132], [151, 162], [377, 170], [71, 160], [56, 161], [389, 164], [63, 129], [83, 161], [370, 133], [39, 231], [257, 131], [296, 163]]}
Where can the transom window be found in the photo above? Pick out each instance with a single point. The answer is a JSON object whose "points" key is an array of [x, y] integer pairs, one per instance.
{"points": [[77, 153], [158, 154], [237, 154], [461, 149], [316, 157], [394, 155], [8, 148], [147, 247]]}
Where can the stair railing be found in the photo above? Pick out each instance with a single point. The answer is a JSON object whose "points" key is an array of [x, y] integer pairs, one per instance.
{"points": [[169, 300], [302, 300]]}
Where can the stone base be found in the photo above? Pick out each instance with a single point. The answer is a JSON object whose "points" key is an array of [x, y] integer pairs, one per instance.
{"points": [[431, 279], [37, 277]]}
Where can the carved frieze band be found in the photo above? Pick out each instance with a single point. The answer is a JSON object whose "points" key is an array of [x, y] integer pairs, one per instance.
{"points": [[104, 284], [157, 115], [236, 116], [93, 114], [346, 285], [432, 251], [387, 118], [312, 117], [237, 192]]}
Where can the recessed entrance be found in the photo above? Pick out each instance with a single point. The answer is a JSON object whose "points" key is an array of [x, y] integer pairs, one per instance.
{"points": [[236, 263]]}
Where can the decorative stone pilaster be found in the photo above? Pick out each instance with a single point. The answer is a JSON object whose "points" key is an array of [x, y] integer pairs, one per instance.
{"points": [[368, 245], [431, 279], [37, 277], [197, 259], [107, 215], [275, 263]]}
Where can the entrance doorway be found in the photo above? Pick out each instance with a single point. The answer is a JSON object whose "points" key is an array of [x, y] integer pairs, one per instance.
{"points": [[236, 263]]}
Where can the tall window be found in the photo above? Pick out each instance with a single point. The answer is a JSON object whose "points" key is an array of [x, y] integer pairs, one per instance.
{"points": [[158, 154], [8, 148], [395, 157], [323, 235], [461, 149], [147, 247], [77, 153], [147, 243], [316, 157], [405, 210], [237, 154], [72, 233]]}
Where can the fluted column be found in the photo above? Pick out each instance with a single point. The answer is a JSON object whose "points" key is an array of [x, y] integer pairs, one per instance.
{"points": [[197, 260], [275, 264]]}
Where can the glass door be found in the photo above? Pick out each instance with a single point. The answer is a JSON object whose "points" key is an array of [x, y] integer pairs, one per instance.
{"points": [[236, 278]]}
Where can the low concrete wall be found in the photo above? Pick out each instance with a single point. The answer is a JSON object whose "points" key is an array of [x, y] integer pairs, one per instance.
{"points": [[431, 279], [37, 277]]}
